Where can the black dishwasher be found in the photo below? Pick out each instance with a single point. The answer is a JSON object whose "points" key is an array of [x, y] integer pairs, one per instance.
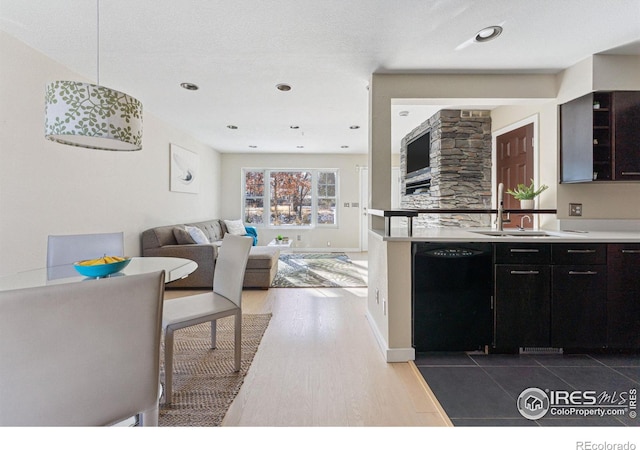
{"points": [[451, 301]]}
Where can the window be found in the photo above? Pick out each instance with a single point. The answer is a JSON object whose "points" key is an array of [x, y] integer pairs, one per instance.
{"points": [[295, 198], [327, 199], [254, 197]]}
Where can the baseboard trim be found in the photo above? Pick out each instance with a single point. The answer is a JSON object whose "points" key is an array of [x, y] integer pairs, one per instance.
{"points": [[401, 354], [391, 355]]}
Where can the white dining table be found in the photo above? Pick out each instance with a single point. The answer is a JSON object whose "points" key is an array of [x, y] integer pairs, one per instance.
{"points": [[175, 269]]}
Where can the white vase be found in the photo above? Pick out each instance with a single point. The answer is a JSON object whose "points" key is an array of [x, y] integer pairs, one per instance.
{"points": [[527, 204]]}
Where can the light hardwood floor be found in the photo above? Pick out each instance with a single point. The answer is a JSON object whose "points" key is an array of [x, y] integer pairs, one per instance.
{"points": [[319, 365]]}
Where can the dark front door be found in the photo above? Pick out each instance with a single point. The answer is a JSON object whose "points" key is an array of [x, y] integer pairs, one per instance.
{"points": [[514, 166]]}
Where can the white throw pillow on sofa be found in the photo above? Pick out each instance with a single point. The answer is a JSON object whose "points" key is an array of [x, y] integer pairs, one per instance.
{"points": [[235, 227], [197, 234]]}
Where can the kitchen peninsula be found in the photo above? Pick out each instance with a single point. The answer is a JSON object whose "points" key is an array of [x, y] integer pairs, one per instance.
{"points": [[603, 264]]}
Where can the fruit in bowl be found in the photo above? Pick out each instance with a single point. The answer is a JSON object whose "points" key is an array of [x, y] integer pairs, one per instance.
{"points": [[101, 267]]}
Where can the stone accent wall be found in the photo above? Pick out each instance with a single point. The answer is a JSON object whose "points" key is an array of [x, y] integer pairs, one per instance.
{"points": [[460, 160]]}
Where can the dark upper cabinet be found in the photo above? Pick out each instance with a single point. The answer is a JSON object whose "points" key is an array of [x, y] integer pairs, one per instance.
{"points": [[600, 138], [626, 132], [576, 140]]}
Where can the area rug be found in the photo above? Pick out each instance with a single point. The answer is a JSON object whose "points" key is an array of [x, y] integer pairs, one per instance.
{"points": [[204, 383], [304, 270]]}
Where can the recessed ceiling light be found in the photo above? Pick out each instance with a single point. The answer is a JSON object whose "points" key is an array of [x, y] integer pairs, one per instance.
{"points": [[354, 127], [283, 87], [294, 127], [403, 113], [189, 86], [489, 33], [232, 127]]}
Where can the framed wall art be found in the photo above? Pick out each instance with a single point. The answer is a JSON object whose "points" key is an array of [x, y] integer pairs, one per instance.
{"points": [[185, 170]]}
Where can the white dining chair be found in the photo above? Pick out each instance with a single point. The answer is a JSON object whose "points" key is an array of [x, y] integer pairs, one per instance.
{"points": [[81, 354], [225, 300], [67, 249]]}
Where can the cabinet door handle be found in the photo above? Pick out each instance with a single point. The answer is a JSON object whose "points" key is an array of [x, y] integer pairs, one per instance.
{"points": [[630, 174], [629, 251], [581, 251], [524, 250], [586, 272], [525, 272]]}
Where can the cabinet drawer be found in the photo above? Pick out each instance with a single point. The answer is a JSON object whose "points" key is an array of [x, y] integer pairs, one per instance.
{"points": [[523, 253], [580, 279], [575, 254]]}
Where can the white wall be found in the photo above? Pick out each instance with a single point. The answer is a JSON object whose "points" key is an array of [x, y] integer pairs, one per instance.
{"points": [[49, 188], [344, 237]]}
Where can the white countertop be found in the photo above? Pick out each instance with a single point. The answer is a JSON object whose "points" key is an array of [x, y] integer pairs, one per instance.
{"points": [[451, 234]]}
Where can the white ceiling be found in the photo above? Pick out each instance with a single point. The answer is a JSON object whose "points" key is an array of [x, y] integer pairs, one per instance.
{"points": [[237, 51]]}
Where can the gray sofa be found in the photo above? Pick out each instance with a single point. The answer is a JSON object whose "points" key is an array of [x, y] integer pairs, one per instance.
{"points": [[161, 241]]}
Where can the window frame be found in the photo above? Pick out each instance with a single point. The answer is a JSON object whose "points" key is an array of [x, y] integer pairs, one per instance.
{"points": [[266, 198]]}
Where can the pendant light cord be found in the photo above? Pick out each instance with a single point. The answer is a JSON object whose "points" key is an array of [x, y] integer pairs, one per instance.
{"points": [[98, 42]]}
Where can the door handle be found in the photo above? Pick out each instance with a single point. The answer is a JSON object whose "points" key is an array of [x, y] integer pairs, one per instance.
{"points": [[586, 272], [524, 250], [629, 251], [525, 272], [581, 251]]}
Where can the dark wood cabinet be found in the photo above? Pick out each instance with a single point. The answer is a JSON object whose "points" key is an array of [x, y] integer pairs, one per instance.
{"points": [[575, 296], [599, 137], [578, 293], [623, 296], [578, 309], [522, 295], [626, 132], [522, 306]]}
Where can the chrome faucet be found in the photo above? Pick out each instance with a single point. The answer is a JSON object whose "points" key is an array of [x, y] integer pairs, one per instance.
{"points": [[500, 220], [521, 226]]}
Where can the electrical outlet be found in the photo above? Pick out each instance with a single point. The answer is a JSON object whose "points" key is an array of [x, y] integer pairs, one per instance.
{"points": [[575, 209], [299, 237]]}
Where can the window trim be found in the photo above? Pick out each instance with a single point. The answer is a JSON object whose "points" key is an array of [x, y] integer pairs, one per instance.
{"points": [[266, 197]]}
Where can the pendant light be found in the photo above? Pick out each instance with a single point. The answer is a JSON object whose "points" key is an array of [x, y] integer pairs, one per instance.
{"points": [[92, 116]]}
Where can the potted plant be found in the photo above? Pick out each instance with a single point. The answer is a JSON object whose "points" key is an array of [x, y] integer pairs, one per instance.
{"points": [[279, 238], [527, 194]]}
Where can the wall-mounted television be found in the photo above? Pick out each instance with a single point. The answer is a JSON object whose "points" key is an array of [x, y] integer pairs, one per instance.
{"points": [[418, 153]]}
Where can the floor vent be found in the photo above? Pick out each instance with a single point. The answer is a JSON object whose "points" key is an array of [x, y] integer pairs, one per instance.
{"points": [[540, 351]]}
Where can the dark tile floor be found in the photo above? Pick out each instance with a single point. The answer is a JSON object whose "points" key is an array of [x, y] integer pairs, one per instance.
{"points": [[482, 389]]}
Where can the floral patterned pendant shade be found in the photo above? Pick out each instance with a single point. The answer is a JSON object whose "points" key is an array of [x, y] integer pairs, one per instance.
{"points": [[91, 116]]}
